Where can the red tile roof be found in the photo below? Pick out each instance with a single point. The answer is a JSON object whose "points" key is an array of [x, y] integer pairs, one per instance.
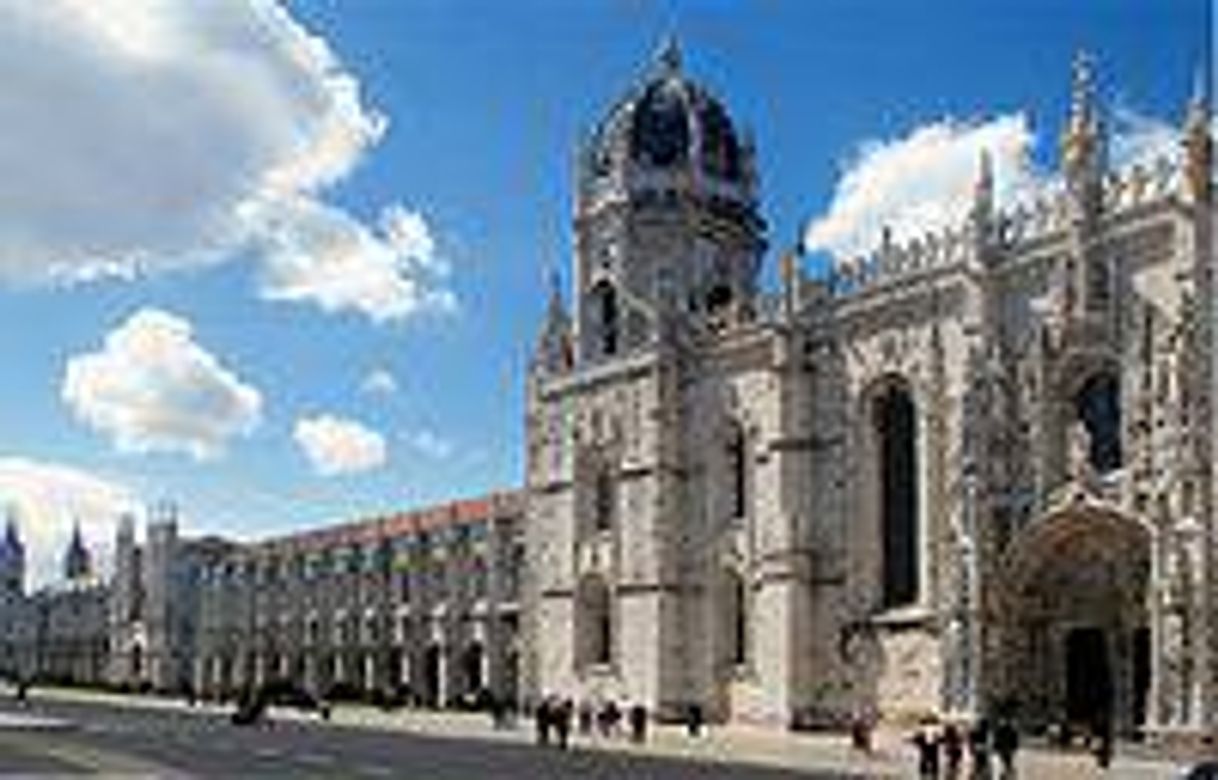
{"points": [[482, 509]]}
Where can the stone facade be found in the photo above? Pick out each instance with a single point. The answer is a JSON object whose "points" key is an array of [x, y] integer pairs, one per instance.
{"points": [[155, 602], [968, 472], [425, 604]]}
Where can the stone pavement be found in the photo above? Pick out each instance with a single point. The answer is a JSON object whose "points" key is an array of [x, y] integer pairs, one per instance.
{"points": [[18, 721], [738, 744]]}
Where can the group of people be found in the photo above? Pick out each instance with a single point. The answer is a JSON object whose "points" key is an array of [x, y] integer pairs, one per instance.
{"points": [[943, 748], [555, 716]]}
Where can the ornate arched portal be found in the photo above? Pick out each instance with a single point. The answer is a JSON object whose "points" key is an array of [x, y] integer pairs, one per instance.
{"points": [[1073, 619]]}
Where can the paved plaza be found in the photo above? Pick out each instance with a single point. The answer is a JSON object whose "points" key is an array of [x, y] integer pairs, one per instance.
{"points": [[74, 732]]}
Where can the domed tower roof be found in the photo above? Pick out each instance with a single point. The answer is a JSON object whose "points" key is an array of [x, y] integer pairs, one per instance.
{"points": [[669, 124]]}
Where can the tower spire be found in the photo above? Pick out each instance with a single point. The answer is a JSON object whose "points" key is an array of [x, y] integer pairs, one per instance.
{"points": [[668, 56], [76, 562], [1198, 143], [1082, 93]]}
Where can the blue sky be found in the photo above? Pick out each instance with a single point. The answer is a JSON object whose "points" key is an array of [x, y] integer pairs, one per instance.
{"points": [[429, 146]]}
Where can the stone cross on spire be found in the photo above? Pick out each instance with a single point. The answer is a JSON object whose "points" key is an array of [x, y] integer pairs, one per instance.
{"points": [[668, 57]]}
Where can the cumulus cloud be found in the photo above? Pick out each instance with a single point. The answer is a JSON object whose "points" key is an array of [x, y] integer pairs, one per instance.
{"points": [[924, 180], [317, 253], [430, 444], [379, 381], [48, 499], [334, 445], [144, 135], [921, 182], [1140, 138], [151, 387]]}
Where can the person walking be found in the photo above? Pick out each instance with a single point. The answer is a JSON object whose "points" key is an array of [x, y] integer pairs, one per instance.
{"points": [[926, 741], [1006, 744], [541, 718], [953, 750], [1103, 741], [979, 749], [638, 724], [693, 719], [562, 722]]}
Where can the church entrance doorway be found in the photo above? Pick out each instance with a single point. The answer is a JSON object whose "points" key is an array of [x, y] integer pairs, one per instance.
{"points": [[1088, 675], [1075, 643]]}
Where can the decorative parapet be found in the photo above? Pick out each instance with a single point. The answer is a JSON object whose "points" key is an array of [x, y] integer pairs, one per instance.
{"points": [[1140, 184], [892, 262], [1046, 213]]}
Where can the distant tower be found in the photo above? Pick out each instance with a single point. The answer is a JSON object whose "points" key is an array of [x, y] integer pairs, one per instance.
{"points": [[12, 558], [77, 563]]}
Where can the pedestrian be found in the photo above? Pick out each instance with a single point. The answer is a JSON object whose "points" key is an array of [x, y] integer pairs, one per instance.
{"points": [[638, 723], [585, 718], [693, 719], [979, 748], [860, 731], [541, 718], [1103, 741], [612, 717], [926, 741], [1006, 743], [953, 750], [563, 722]]}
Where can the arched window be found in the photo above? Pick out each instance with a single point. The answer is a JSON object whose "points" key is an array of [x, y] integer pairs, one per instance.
{"points": [[1098, 404], [896, 434], [603, 499], [605, 311], [737, 463], [594, 622], [718, 299]]}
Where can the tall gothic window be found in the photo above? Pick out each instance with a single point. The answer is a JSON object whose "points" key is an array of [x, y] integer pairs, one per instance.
{"points": [[594, 622], [896, 434], [737, 617], [603, 499], [604, 301], [737, 460], [1099, 409]]}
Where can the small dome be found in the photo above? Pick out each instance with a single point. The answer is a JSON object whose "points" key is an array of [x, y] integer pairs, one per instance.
{"points": [[667, 122]]}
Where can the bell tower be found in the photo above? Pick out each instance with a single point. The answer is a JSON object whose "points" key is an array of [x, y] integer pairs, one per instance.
{"points": [[667, 224]]}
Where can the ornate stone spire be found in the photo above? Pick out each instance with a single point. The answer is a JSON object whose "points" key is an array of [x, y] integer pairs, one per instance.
{"points": [[554, 349], [1082, 141], [76, 563], [12, 540], [982, 211], [1198, 143]]}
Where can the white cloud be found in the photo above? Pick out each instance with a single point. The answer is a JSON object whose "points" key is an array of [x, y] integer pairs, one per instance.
{"points": [[49, 498], [335, 445], [430, 444], [317, 253], [1140, 138], [379, 381], [921, 182], [145, 135], [152, 388]]}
